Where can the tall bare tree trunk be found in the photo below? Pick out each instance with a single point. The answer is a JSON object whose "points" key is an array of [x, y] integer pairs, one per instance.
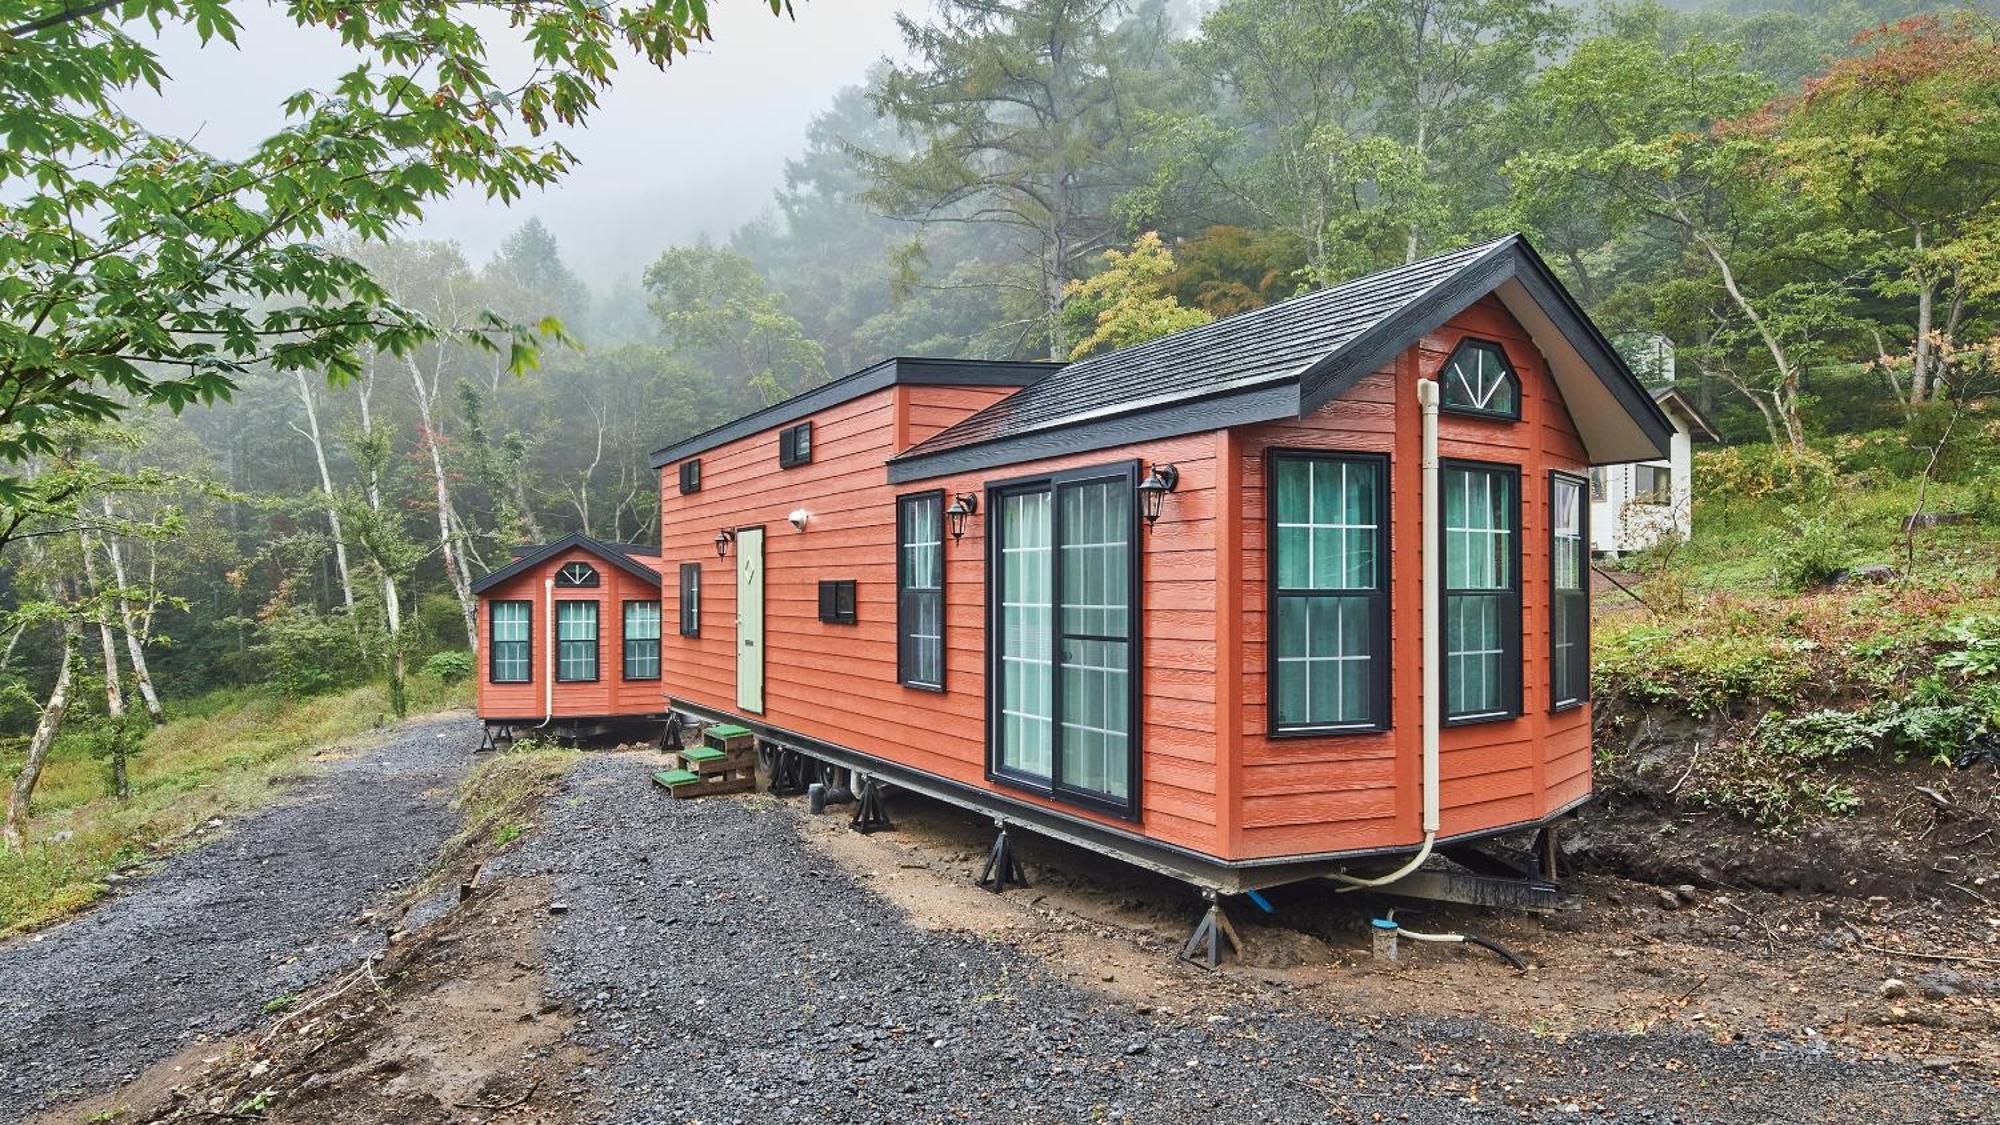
{"points": [[1785, 398], [11, 832], [392, 607], [135, 646], [114, 690], [312, 434], [454, 561]]}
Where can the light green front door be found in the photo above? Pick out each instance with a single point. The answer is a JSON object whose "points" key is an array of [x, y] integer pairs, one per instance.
{"points": [[750, 619]]}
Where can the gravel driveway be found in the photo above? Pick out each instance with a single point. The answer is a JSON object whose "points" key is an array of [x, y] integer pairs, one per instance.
{"points": [[195, 949], [726, 973]]}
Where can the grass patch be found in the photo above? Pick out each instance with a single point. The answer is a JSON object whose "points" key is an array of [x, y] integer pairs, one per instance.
{"points": [[496, 799], [221, 754]]}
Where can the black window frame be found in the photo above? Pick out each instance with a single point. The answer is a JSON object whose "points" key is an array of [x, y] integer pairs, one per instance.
{"points": [[1052, 788], [690, 599], [837, 601], [795, 445], [625, 637], [1580, 654], [1510, 617], [596, 641], [493, 646], [590, 582], [905, 638], [690, 476], [1380, 606], [1513, 373]]}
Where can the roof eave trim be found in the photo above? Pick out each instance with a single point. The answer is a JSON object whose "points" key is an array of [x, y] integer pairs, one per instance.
{"points": [[1337, 372], [875, 377], [574, 540], [1265, 403]]}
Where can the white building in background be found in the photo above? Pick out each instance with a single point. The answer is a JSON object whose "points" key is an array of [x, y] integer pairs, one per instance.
{"points": [[1633, 506]]}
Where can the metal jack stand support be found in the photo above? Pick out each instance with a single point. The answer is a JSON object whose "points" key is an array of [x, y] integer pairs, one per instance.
{"points": [[1003, 867], [1205, 945], [791, 772], [486, 743], [673, 735], [870, 814]]}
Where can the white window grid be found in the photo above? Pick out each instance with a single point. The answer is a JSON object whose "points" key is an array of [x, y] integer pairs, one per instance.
{"points": [[1486, 551], [1485, 662], [1339, 659], [576, 658], [1488, 378], [1309, 525]]}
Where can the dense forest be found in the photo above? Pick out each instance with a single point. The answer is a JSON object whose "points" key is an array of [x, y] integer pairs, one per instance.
{"points": [[1799, 196]]}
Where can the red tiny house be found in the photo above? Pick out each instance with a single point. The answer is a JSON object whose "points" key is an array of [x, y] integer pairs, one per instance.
{"points": [[569, 638], [1170, 603]]}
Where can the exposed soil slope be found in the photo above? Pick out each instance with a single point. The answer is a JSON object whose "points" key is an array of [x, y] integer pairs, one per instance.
{"points": [[194, 951]]}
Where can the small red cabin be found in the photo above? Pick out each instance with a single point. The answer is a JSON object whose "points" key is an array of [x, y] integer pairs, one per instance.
{"points": [[569, 641], [1176, 602]]}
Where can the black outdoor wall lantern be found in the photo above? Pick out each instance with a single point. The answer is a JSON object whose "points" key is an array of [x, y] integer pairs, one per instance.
{"points": [[723, 539], [962, 505], [1153, 490]]}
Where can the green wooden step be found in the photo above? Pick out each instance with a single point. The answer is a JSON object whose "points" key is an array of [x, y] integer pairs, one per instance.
{"points": [[703, 754], [728, 730], [671, 778]]}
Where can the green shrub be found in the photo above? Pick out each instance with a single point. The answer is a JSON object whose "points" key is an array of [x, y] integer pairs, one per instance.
{"points": [[1810, 552], [1753, 473], [306, 653], [449, 666]]}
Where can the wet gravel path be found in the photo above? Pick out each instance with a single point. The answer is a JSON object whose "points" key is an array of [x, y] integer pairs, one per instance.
{"points": [[724, 973], [195, 949]]}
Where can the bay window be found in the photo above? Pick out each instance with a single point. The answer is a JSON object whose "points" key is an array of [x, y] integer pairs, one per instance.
{"points": [[510, 645], [1329, 576], [642, 640], [576, 641], [1482, 592], [1569, 593]]}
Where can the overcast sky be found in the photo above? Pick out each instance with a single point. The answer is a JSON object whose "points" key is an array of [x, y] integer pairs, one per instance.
{"points": [[667, 156]]}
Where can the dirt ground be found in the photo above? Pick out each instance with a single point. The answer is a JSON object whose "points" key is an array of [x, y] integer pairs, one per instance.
{"points": [[1917, 983], [458, 1021], [450, 1026]]}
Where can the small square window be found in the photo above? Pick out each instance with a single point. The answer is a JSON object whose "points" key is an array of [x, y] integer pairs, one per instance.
{"points": [[795, 445], [836, 601], [691, 476]]}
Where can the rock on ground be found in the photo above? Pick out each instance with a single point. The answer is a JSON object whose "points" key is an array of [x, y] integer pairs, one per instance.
{"points": [[724, 972], [196, 949]]}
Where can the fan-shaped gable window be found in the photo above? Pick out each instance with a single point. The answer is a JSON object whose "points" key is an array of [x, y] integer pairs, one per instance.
{"points": [[576, 574], [1479, 380]]}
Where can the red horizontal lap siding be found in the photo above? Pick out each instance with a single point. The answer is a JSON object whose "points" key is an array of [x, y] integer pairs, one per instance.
{"points": [[1364, 791], [611, 694], [838, 683]]}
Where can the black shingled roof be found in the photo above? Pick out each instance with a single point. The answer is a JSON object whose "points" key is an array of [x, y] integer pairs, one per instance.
{"points": [[1281, 360], [1273, 343], [620, 555]]}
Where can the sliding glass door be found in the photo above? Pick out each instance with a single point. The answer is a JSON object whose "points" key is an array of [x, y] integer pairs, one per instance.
{"points": [[1065, 620]]}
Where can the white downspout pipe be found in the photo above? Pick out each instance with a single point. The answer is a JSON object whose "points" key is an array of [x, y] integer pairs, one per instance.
{"points": [[1427, 402], [548, 652]]}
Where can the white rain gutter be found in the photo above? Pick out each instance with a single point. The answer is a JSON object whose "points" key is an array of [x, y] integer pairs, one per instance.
{"points": [[1427, 401], [548, 653]]}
